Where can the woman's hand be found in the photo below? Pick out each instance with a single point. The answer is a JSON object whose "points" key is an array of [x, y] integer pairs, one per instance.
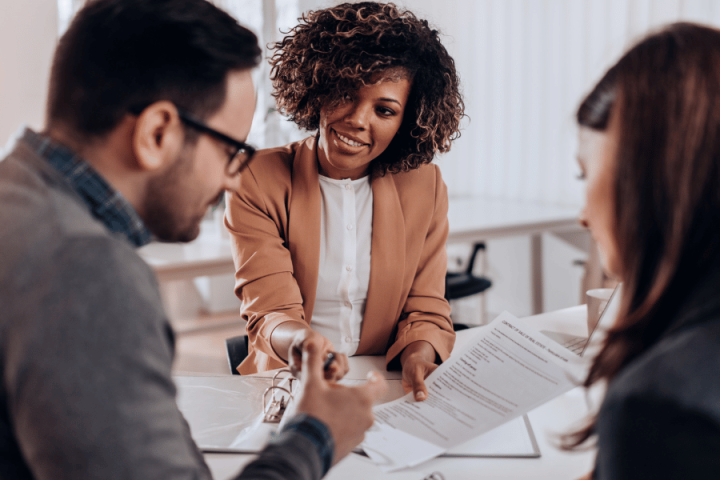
{"points": [[418, 361], [301, 337]]}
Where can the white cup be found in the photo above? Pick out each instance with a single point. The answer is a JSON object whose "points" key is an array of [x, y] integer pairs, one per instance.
{"points": [[597, 300]]}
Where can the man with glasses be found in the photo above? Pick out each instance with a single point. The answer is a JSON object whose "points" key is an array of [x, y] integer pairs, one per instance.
{"points": [[241, 152], [147, 106]]}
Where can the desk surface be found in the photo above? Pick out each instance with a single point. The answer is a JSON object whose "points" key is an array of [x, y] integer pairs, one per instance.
{"points": [[549, 420]]}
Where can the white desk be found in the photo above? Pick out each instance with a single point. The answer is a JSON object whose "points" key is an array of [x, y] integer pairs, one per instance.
{"points": [[478, 218], [208, 255], [556, 416], [472, 219]]}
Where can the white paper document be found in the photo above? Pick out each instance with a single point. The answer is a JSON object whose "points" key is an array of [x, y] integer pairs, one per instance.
{"points": [[507, 370]]}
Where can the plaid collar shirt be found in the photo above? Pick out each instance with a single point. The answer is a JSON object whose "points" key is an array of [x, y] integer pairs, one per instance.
{"points": [[105, 203]]}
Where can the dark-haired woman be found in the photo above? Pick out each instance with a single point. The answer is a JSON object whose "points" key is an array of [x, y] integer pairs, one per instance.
{"points": [[343, 235], [650, 153]]}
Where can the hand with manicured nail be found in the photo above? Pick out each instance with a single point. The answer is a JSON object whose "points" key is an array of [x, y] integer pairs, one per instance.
{"points": [[418, 361]]}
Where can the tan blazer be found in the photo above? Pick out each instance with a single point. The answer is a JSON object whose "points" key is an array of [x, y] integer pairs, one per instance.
{"points": [[274, 222]]}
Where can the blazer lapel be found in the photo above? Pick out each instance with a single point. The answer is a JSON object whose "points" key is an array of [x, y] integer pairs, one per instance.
{"points": [[304, 223], [387, 267]]}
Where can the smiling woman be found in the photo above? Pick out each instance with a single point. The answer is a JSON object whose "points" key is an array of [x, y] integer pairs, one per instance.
{"points": [[359, 129], [342, 236]]}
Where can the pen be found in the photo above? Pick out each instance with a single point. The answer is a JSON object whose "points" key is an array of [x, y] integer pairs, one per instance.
{"points": [[328, 361]]}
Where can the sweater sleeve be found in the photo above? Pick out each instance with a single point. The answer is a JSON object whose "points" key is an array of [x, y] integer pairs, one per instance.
{"points": [[302, 451], [88, 380], [87, 369]]}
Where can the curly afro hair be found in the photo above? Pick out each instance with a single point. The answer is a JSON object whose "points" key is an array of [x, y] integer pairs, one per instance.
{"points": [[339, 49]]}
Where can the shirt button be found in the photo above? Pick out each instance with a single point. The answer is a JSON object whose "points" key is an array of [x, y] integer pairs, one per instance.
{"points": [[350, 227], [348, 268], [348, 339], [348, 304], [348, 186]]}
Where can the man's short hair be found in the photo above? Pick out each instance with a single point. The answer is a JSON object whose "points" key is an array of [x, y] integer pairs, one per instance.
{"points": [[119, 56]]}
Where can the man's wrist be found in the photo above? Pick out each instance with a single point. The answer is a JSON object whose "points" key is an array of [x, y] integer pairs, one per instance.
{"points": [[318, 433]]}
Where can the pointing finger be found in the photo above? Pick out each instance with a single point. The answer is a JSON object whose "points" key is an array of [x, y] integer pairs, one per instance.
{"points": [[418, 385]]}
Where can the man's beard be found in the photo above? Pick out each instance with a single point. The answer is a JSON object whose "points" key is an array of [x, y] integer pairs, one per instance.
{"points": [[167, 214]]}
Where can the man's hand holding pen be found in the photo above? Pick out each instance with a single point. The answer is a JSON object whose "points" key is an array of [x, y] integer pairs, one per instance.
{"points": [[347, 411], [335, 365]]}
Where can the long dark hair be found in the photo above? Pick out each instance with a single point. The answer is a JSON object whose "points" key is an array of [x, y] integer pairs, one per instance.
{"points": [[664, 94]]}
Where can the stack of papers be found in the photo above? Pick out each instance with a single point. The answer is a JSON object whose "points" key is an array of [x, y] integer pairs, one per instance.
{"points": [[505, 371]]}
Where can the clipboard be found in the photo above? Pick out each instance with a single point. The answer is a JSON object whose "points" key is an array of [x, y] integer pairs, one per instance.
{"points": [[225, 415], [234, 414], [514, 439]]}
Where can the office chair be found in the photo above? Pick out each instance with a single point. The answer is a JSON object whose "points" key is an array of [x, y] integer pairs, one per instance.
{"points": [[465, 284], [237, 350]]}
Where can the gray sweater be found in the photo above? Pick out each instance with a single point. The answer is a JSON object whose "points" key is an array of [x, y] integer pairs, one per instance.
{"points": [[86, 349]]}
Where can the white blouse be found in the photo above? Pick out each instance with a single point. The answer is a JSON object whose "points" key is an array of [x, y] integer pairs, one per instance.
{"points": [[344, 273]]}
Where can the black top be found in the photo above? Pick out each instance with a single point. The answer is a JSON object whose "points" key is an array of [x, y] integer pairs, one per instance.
{"points": [[661, 415]]}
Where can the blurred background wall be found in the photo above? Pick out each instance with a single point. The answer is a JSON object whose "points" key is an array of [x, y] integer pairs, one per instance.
{"points": [[28, 33], [524, 66]]}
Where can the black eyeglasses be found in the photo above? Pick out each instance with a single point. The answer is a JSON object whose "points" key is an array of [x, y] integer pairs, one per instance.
{"points": [[243, 153]]}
